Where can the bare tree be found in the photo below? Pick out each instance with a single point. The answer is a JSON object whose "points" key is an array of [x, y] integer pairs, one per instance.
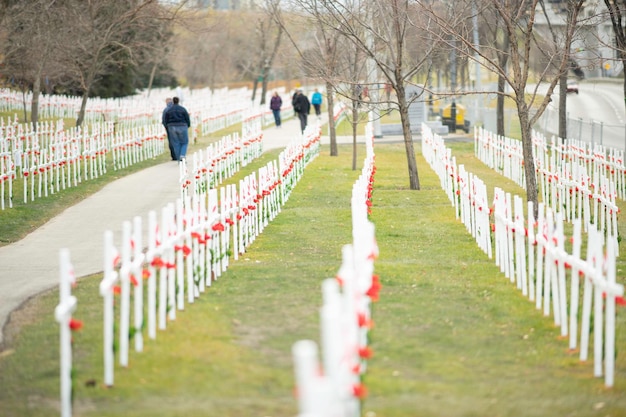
{"points": [[105, 34], [617, 12], [319, 55], [518, 18], [35, 40], [384, 30], [268, 35]]}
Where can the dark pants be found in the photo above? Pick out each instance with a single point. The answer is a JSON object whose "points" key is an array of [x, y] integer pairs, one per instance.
{"points": [[276, 116], [169, 143], [303, 120], [317, 109]]}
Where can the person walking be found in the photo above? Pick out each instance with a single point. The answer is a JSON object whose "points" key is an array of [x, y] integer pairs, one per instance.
{"points": [[275, 104], [302, 107], [168, 104], [316, 101], [176, 120]]}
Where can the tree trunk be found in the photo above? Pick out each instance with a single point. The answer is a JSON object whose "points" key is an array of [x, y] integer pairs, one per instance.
{"points": [[500, 107], [563, 106], [503, 59], [24, 104], [91, 76], [34, 107], [151, 79], [264, 85], [624, 66], [83, 108], [527, 150], [414, 181], [254, 87], [355, 125], [332, 132]]}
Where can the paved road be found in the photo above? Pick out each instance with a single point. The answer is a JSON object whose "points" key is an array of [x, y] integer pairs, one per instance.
{"points": [[595, 115]]}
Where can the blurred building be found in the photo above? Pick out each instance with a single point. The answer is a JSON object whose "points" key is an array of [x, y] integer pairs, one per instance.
{"points": [[593, 50], [224, 4]]}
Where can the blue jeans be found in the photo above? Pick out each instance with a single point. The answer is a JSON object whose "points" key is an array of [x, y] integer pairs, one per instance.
{"points": [[276, 116], [179, 136]]}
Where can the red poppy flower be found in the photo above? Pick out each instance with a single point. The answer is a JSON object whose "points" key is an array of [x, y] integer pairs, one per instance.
{"points": [[184, 248], [218, 227], [365, 352], [75, 325], [359, 391], [364, 321], [117, 289], [374, 290], [157, 262], [133, 280]]}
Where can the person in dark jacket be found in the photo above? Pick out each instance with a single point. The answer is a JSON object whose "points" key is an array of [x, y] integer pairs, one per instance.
{"points": [[168, 104], [275, 104], [176, 119], [301, 106]]}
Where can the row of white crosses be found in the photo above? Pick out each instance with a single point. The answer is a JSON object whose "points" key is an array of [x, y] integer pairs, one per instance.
{"points": [[252, 137], [48, 161], [532, 255], [67, 159], [494, 151], [187, 249], [573, 179], [578, 189], [219, 115], [49, 158], [467, 192], [335, 388], [607, 161], [133, 145], [294, 158], [221, 159], [500, 153], [7, 174]]}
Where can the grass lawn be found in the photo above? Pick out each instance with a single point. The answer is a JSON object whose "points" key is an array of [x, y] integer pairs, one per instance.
{"points": [[452, 336]]}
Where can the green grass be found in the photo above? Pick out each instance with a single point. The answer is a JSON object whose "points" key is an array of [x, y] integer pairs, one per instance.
{"points": [[452, 336]]}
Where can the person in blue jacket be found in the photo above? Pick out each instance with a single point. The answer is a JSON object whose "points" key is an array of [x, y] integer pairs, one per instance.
{"points": [[316, 101], [176, 119]]}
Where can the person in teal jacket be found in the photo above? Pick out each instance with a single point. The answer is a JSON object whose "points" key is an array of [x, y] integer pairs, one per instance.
{"points": [[316, 101]]}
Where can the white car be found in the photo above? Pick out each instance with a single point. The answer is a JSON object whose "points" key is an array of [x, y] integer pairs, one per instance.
{"points": [[572, 86]]}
